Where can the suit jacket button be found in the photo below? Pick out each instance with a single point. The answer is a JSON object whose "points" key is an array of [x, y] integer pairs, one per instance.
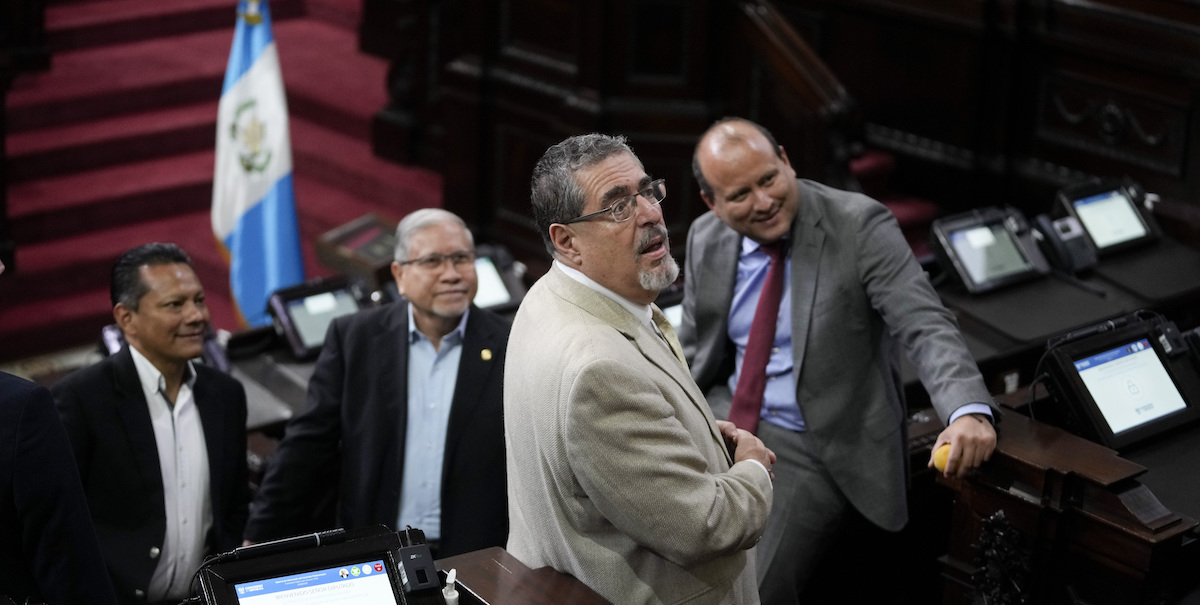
{"points": [[139, 593], [154, 552]]}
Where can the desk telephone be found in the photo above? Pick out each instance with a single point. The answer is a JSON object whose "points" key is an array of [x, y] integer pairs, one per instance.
{"points": [[1065, 243]]}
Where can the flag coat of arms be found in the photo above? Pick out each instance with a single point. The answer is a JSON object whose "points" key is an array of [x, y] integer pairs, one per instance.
{"points": [[253, 211]]}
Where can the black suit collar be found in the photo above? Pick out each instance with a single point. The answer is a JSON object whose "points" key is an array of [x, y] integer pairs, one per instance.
{"points": [[482, 354], [131, 406]]}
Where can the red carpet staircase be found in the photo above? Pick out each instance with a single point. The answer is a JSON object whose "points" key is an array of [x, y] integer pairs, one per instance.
{"points": [[114, 146]]}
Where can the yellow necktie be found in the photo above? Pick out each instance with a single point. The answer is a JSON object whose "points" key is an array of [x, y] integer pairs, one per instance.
{"points": [[668, 332]]}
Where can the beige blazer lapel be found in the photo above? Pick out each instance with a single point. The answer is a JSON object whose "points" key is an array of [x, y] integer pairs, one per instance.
{"points": [[643, 338]]}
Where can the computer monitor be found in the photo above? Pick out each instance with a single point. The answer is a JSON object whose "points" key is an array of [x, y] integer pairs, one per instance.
{"points": [[492, 292], [357, 582], [372, 566], [303, 313], [989, 253], [1110, 215], [988, 248], [1123, 386]]}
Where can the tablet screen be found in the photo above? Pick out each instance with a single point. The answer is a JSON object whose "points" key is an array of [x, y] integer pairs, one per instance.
{"points": [[492, 290], [311, 315], [1130, 385], [1110, 218], [361, 583], [988, 252]]}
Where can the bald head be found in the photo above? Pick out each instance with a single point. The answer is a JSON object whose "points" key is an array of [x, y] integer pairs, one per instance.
{"points": [[746, 180], [722, 133]]}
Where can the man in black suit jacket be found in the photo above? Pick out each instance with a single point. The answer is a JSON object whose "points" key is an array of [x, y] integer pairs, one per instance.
{"points": [[48, 549], [357, 442], [160, 442]]}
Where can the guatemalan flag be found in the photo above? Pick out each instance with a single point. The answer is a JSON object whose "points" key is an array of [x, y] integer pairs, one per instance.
{"points": [[253, 212]]}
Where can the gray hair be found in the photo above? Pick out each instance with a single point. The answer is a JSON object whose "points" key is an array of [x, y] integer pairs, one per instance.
{"points": [[554, 192], [420, 219]]}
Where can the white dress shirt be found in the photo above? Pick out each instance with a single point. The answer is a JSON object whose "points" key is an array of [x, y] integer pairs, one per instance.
{"points": [[183, 458]]}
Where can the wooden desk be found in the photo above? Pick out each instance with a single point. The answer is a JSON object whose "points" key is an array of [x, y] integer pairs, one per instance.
{"points": [[493, 577], [1075, 524]]}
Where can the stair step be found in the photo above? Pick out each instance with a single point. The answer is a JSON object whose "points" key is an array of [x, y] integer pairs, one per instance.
{"points": [[64, 206], [323, 207], [71, 148], [346, 14], [41, 210], [54, 268], [327, 79], [345, 163], [121, 79], [43, 326], [94, 225], [99, 22]]}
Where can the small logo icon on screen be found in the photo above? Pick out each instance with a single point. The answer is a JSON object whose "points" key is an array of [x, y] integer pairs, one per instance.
{"points": [[354, 571], [379, 567], [344, 572]]}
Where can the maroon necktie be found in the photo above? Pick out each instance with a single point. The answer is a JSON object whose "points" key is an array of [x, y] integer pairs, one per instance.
{"points": [[748, 397]]}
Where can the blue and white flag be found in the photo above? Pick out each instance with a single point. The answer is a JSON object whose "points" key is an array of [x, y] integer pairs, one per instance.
{"points": [[254, 212]]}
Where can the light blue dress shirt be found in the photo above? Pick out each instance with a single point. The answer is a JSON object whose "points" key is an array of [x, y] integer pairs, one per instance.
{"points": [[779, 397], [432, 375]]}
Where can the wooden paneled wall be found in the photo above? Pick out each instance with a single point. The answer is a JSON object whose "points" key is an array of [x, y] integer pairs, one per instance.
{"points": [[981, 101]]}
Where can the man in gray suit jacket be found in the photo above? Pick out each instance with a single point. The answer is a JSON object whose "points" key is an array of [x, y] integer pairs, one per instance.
{"points": [[618, 473], [832, 408]]}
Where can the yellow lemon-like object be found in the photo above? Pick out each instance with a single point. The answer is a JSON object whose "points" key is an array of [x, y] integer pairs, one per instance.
{"points": [[941, 456]]}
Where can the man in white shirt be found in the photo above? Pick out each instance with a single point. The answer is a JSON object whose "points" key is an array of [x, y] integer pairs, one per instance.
{"points": [[160, 441]]}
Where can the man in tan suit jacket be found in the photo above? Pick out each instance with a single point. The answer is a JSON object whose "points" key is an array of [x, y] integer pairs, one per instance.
{"points": [[618, 472]]}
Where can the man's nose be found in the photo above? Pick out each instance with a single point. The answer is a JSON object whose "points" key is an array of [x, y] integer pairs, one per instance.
{"points": [[197, 313], [649, 212], [450, 271], [762, 199]]}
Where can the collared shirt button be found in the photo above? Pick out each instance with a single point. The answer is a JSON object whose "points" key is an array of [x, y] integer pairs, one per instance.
{"points": [[154, 552], [774, 349], [139, 593]]}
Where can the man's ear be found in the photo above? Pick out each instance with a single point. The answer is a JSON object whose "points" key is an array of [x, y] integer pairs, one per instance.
{"points": [[707, 200], [563, 238], [397, 273], [123, 316], [783, 156]]}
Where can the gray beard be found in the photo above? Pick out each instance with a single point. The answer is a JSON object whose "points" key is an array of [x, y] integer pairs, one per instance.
{"points": [[656, 279]]}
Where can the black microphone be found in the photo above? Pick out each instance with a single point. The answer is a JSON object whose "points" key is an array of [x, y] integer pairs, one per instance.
{"points": [[333, 536], [1105, 326]]}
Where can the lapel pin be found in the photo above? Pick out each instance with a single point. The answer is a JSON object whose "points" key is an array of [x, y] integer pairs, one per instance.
{"points": [[486, 354]]}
